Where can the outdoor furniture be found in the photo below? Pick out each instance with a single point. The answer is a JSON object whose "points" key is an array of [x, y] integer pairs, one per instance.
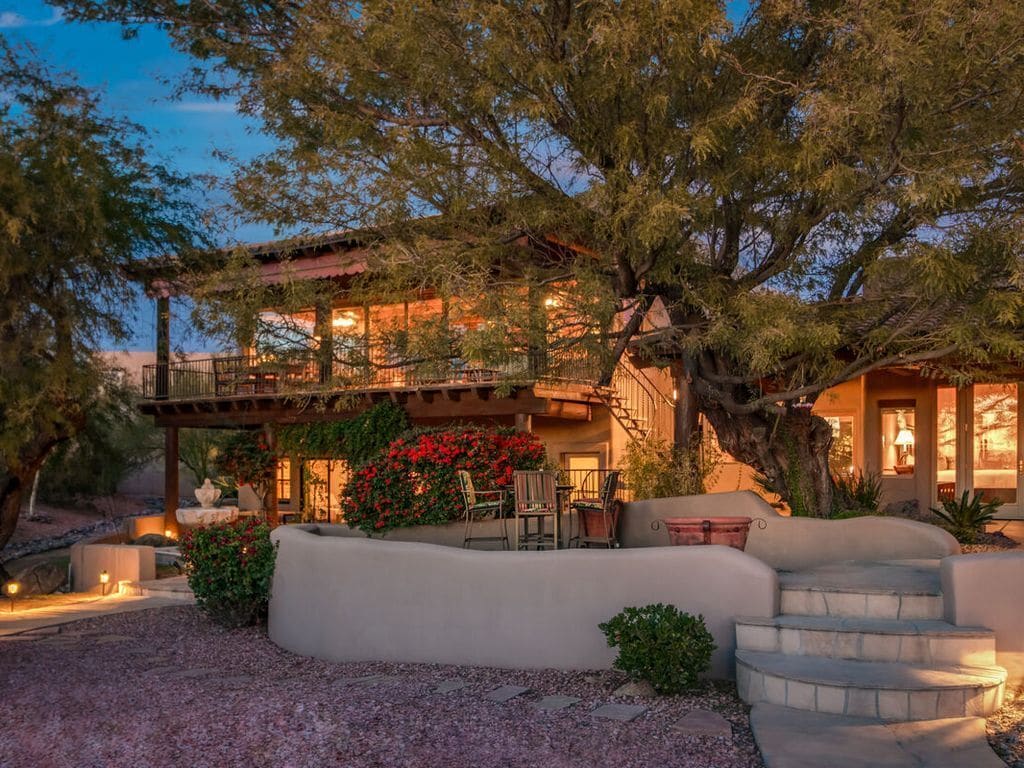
{"points": [[536, 499], [477, 508], [599, 517], [227, 374]]}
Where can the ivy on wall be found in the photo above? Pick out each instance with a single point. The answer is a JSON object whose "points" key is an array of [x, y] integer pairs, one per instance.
{"points": [[355, 440]]}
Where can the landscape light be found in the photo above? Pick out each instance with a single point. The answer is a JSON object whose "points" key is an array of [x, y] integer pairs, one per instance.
{"points": [[11, 588], [104, 579]]}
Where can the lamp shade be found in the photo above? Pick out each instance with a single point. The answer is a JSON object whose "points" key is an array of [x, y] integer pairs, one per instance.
{"points": [[904, 438]]}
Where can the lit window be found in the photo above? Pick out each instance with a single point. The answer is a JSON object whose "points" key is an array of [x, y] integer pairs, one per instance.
{"points": [[840, 455], [284, 481], [898, 439]]}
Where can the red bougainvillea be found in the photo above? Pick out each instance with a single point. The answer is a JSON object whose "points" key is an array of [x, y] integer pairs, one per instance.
{"points": [[414, 481]]}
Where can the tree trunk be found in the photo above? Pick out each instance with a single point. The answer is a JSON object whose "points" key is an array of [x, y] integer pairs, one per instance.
{"points": [[790, 450]]}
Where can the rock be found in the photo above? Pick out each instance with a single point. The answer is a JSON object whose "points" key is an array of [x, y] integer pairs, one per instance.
{"points": [[640, 688], [908, 509], [41, 578], [154, 540], [704, 722]]}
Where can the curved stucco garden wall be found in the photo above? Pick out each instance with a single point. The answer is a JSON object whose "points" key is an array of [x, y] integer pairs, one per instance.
{"points": [[344, 598], [793, 543], [987, 590]]}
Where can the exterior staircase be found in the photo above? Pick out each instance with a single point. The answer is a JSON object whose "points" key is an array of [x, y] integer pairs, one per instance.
{"points": [[868, 641], [635, 401]]}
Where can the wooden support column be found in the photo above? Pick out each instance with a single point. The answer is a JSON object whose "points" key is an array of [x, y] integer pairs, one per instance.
{"points": [[171, 480], [271, 497], [324, 329], [686, 425], [163, 346], [524, 422]]}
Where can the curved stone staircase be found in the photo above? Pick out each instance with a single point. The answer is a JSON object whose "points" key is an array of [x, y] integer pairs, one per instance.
{"points": [[868, 643]]}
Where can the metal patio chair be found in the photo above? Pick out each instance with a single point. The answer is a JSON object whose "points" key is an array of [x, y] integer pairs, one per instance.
{"points": [[599, 517], [477, 509]]}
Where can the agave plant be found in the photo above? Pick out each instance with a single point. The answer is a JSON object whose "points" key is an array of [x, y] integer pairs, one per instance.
{"points": [[857, 493], [966, 519]]}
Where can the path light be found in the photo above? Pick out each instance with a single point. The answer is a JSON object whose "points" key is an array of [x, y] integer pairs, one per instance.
{"points": [[168, 533], [11, 588], [104, 580]]}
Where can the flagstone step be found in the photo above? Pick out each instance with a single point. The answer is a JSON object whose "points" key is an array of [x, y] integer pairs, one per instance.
{"points": [[851, 603], [923, 641], [174, 588], [886, 690]]}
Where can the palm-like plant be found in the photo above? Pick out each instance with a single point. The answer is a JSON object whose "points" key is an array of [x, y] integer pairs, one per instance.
{"points": [[966, 519]]}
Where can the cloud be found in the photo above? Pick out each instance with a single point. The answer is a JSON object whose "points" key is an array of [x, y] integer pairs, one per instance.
{"points": [[12, 20], [205, 107]]}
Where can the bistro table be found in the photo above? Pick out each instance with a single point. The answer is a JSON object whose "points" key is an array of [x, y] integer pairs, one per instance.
{"points": [[563, 492]]}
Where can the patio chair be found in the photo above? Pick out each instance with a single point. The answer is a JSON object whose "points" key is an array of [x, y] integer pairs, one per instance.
{"points": [[476, 509], [599, 517], [536, 501]]}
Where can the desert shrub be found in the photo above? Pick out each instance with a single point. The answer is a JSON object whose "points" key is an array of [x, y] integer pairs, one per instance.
{"points": [[857, 493], [662, 645], [229, 568], [964, 518], [654, 469], [414, 482]]}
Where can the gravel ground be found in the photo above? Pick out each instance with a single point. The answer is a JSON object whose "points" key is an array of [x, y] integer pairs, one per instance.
{"points": [[167, 688], [1006, 729]]}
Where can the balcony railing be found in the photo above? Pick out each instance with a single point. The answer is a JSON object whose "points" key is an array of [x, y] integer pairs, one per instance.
{"points": [[365, 368]]}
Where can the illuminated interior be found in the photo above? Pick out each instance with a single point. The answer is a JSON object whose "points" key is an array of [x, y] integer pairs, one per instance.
{"points": [[840, 455], [323, 481], [995, 441], [898, 440]]}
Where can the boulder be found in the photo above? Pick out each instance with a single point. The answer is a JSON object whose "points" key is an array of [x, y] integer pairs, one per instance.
{"points": [[41, 578]]}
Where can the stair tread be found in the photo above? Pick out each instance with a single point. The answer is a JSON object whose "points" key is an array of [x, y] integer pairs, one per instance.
{"points": [[848, 673], [890, 578], [929, 627]]}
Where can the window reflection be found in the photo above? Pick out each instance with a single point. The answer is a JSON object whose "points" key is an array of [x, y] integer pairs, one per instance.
{"points": [[995, 441]]}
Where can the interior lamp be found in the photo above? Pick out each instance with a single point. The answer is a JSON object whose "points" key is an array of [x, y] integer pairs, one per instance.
{"points": [[904, 438]]}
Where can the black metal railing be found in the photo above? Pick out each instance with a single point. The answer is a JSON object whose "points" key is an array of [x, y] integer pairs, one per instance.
{"points": [[356, 368], [587, 483]]}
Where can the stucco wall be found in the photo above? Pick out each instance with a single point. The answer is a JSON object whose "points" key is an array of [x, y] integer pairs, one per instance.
{"points": [[985, 590], [122, 562], [344, 598], [793, 543]]}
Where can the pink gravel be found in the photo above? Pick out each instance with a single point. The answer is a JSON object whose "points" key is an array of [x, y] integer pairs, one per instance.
{"points": [[117, 691]]}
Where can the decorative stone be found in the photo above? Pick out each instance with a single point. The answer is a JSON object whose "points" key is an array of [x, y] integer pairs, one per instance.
{"points": [[506, 693], [638, 688], [193, 517], [447, 686], [621, 712], [154, 540], [104, 639], [41, 579], [207, 494], [704, 722], [553, 703]]}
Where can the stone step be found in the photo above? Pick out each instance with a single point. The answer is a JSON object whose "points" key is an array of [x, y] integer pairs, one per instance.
{"points": [[924, 641], [175, 588], [885, 690], [860, 603]]}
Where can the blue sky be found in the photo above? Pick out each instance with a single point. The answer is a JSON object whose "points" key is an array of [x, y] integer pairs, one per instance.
{"points": [[133, 77]]}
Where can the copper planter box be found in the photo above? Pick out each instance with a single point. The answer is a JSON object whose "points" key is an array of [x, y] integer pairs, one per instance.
{"points": [[727, 531]]}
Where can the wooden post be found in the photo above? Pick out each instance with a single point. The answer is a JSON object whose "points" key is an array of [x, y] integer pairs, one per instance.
{"points": [[524, 422], [171, 480], [324, 329], [163, 346], [271, 496]]}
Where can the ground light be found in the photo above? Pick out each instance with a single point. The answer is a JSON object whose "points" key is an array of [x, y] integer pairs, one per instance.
{"points": [[104, 580], [11, 588]]}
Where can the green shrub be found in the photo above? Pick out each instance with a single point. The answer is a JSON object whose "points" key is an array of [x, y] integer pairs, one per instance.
{"points": [[857, 493], [662, 645], [229, 569], [966, 519], [356, 440], [246, 458], [655, 469]]}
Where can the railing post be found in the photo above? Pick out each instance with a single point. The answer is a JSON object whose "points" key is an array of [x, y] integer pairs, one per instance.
{"points": [[163, 346]]}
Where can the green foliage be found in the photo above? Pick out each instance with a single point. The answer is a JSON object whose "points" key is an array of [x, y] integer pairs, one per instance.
{"points": [[857, 493], [247, 459], [80, 208], [230, 566], [116, 441], [662, 645], [964, 518], [355, 440], [654, 469], [198, 450], [414, 481]]}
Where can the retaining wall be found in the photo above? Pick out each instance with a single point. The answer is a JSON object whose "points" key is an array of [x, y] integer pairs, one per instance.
{"points": [[793, 543], [348, 598], [120, 561], [987, 590]]}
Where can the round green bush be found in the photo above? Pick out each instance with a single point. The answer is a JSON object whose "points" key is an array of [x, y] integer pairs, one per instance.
{"points": [[229, 567], [662, 645]]}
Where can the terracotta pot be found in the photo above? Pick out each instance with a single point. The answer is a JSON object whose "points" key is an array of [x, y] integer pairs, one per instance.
{"points": [[728, 531], [595, 524]]}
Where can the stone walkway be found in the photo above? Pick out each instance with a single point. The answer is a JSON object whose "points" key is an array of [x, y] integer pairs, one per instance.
{"points": [[24, 621]]}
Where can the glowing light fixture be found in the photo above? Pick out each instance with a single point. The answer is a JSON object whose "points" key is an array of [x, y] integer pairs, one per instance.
{"points": [[344, 320], [104, 580], [168, 533], [550, 302], [904, 438], [11, 588]]}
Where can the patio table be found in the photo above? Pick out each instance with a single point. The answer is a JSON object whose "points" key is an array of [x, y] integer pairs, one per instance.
{"points": [[563, 491]]}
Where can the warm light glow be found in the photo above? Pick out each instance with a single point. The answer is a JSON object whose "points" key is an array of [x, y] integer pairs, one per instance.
{"points": [[104, 577], [550, 302], [168, 533], [904, 438], [345, 320], [12, 588]]}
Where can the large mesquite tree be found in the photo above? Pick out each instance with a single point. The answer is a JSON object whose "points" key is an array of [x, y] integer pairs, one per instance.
{"points": [[79, 207], [794, 198]]}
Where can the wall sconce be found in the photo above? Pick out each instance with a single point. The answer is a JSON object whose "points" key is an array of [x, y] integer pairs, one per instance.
{"points": [[11, 588], [104, 580]]}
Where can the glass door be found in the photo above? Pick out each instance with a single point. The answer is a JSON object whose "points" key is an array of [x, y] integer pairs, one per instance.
{"points": [[979, 445]]}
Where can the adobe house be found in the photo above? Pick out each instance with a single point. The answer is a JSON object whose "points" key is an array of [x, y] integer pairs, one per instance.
{"points": [[926, 439]]}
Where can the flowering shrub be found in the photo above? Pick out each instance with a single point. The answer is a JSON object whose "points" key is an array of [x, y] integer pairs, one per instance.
{"points": [[246, 457], [414, 481], [229, 570]]}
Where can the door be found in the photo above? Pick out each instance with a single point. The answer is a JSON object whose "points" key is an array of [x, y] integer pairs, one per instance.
{"points": [[979, 445]]}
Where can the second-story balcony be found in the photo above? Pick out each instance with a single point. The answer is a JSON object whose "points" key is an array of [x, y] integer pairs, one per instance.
{"points": [[363, 369]]}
